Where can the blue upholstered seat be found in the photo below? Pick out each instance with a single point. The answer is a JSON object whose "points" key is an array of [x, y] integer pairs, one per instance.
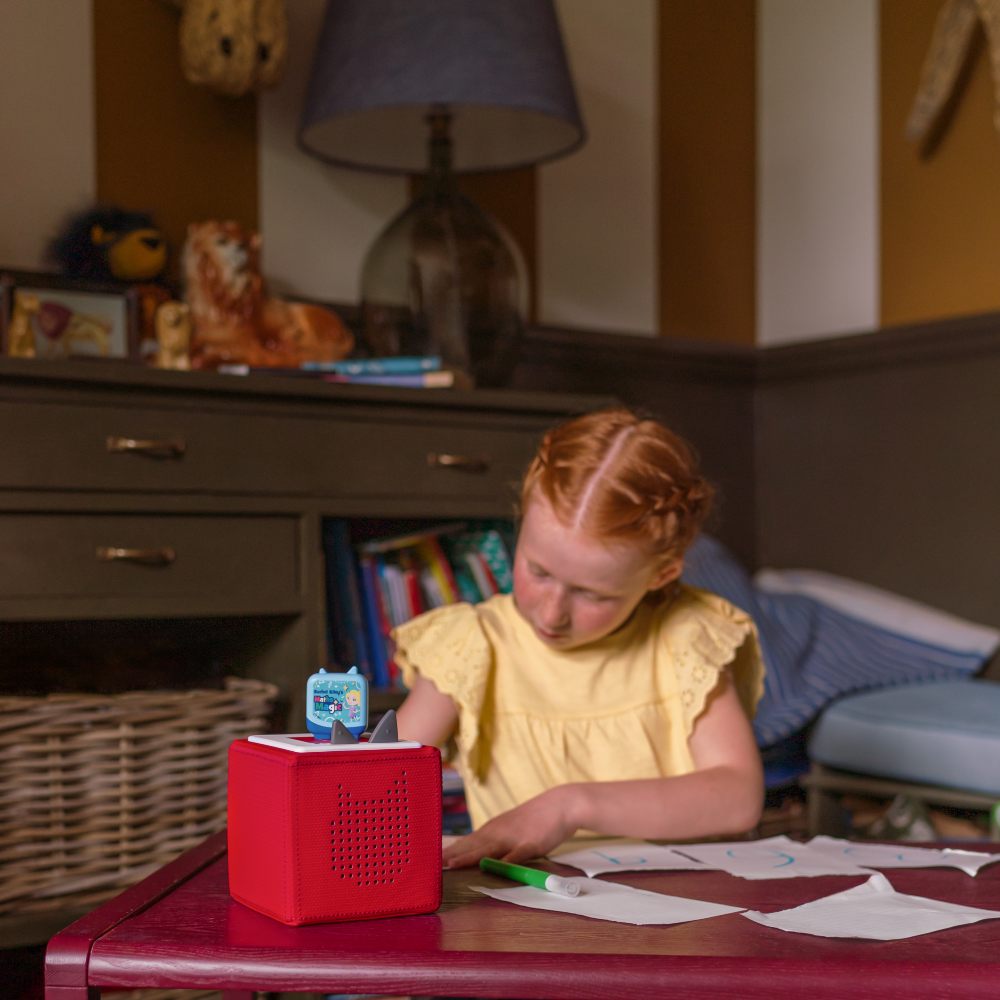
{"points": [[943, 733]]}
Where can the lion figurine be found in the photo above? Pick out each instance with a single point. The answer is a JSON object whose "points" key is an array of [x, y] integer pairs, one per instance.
{"points": [[234, 321]]}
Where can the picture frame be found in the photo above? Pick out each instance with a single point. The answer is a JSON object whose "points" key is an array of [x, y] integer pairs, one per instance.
{"points": [[51, 317]]}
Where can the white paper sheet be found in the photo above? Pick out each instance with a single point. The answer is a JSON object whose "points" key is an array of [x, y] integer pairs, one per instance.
{"points": [[773, 857], [873, 910], [601, 857], [610, 901], [870, 855]]}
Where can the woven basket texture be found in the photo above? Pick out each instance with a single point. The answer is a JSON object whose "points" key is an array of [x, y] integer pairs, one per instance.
{"points": [[97, 791]]}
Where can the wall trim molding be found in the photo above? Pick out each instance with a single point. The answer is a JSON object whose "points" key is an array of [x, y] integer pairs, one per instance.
{"points": [[953, 339], [637, 356], [589, 353]]}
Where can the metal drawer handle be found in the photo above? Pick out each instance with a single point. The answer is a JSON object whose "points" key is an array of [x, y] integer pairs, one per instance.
{"points": [[467, 463], [150, 557], [166, 448]]}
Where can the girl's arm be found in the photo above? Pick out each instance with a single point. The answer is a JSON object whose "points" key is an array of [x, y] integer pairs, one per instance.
{"points": [[426, 715], [722, 796]]}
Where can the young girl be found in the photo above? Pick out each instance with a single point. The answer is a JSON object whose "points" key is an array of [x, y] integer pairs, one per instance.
{"points": [[602, 696]]}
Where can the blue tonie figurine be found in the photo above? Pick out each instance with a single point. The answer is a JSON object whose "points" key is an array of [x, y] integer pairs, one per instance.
{"points": [[332, 697]]}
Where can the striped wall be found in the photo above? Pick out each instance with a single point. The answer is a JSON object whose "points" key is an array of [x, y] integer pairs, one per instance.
{"points": [[817, 168], [746, 179], [47, 153], [940, 213]]}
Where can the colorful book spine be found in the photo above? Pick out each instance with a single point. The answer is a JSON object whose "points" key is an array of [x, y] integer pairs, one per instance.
{"points": [[407, 380], [375, 585], [394, 590], [402, 365], [433, 555], [376, 621], [468, 588], [493, 549], [411, 580], [346, 640], [480, 573], [431, 589]]}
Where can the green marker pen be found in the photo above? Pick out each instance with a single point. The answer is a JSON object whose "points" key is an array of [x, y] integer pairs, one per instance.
{"points": [[531, 876]]}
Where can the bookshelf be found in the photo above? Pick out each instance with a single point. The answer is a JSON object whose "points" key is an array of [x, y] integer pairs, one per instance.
{"points": [[381, 574], [217, 491]]}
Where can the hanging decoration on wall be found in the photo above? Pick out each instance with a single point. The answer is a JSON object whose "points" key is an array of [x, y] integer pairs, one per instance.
{"points": [[233, 47], [950, 49]]}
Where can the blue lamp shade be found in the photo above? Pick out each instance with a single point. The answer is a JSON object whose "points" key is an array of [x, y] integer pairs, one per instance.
{"points": [[438, 87], [498, 66]]}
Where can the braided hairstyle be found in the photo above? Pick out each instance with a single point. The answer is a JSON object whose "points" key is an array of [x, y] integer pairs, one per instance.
{"points": [[622, 477]]}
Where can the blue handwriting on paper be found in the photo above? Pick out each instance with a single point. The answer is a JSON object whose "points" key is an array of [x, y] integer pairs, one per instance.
{"points": [[621, 861], [784, 858]]}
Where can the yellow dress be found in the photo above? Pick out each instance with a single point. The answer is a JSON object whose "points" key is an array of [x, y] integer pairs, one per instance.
{"points": [[531, 717]]}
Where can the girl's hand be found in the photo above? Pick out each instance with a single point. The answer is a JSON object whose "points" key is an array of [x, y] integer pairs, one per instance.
{"points": [[528, 831]]}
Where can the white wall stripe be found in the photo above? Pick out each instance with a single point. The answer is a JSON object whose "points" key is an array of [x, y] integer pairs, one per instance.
{"points": [[597, 209], [47, 153], [818, 168], [316, 221]]}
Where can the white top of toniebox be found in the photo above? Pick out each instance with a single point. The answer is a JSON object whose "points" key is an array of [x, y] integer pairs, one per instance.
{"points": [[307, 743]]}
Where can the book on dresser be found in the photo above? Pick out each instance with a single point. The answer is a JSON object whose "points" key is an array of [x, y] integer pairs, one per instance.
{"points": [[376, 584]]}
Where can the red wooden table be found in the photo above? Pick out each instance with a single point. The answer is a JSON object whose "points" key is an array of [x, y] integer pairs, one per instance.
{"points": [[180, 929]]}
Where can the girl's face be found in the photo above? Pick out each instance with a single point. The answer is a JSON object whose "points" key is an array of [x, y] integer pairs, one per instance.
{"points": [[573, 588]]}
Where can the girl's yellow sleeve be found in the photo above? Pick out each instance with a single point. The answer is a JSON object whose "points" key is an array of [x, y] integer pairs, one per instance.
{"points": [[448, 647], [708, 636]]}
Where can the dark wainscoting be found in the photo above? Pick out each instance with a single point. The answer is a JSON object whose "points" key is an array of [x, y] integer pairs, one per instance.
{"points": [[876, 456]]}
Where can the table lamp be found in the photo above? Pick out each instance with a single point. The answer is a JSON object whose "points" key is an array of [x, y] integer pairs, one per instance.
{"points": [[439, 87]]}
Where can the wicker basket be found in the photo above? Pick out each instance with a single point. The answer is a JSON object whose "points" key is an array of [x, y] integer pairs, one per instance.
{"points": [[96, 791]]}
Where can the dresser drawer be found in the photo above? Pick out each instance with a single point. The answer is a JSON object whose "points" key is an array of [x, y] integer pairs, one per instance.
{"points": [[326, 451], [197, 564], [146, 448], [472, 461]]}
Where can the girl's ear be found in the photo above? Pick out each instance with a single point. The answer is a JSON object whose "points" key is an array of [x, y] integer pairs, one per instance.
{"points": [[667, 574]]}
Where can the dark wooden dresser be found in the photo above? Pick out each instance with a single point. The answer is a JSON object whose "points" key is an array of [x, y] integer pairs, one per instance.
{"points": [[183, 511]]}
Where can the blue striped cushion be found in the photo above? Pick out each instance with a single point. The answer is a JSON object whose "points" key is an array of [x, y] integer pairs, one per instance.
{"points": [[815, 653]]}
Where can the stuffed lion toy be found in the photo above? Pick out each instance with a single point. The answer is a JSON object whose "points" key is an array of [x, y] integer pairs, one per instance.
{"points": [[234, 47], [235, 321]]}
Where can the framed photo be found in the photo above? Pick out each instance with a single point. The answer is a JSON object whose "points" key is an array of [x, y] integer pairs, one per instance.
{"points": [[47, 316]]}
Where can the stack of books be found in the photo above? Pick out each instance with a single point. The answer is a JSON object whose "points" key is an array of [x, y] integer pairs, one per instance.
{"points": [[409, 371], [375, 585]]}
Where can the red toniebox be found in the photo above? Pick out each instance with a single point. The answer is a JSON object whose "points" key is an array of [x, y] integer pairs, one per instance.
{"points": [[321, 832]]}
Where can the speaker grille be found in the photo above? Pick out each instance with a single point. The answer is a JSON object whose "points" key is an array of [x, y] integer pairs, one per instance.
{"points": [[370, 837]]}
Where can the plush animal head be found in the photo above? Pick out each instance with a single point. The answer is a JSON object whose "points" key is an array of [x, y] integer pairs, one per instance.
{"points": [[221, 270], [233, 47], [110, 244]]}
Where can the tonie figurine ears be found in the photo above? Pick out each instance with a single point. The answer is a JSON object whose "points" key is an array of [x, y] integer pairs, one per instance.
{"points": [[337, 699], [386, 730]]}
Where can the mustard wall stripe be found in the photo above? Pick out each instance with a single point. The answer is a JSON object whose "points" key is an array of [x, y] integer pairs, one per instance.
{"points": [[707, 154], [940, 212], [164, 146]]}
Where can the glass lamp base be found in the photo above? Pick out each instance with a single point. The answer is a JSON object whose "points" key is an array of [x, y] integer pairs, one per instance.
{"points": [[443, 278]]}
